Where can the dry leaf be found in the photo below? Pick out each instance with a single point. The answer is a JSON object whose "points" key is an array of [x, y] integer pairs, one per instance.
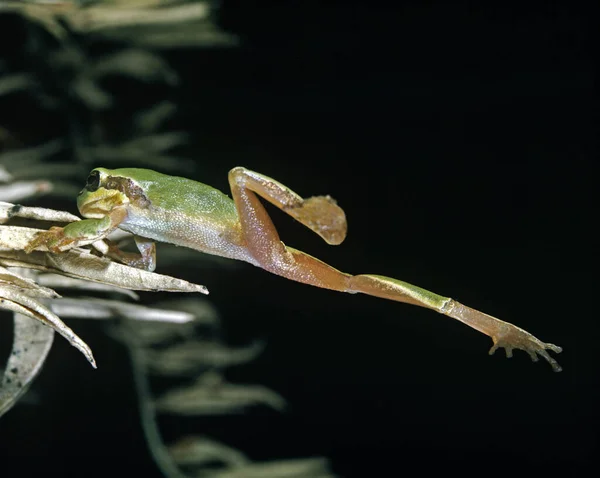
{"points": [[31, 344], [190, 357], [198, 450], [81, 264], [201, 398], [12, 299]]}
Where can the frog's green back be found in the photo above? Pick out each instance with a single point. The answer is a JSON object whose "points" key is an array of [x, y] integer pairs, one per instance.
{"points": [[173, 193]]}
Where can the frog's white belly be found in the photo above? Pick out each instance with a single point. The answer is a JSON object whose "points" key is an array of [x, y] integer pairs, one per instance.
{"points": [[201, 234]]}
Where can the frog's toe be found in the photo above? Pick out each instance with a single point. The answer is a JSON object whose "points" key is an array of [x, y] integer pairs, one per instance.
{"points": [[499, 344], [53, 240], [39, 241], [553, 363], [519, 339]]}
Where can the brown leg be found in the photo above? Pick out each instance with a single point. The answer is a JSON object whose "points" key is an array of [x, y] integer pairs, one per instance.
{"points": [[321, 214], [270, 253]]}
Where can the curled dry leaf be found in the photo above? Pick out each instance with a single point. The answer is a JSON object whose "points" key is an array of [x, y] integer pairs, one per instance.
{"points": [[41, 14], [55, 170], [91, 94], [142, 65], [31, 157], [202, 398], [5, 176], [12, 299], [31, 344], [188, 358], [80, 264], [151, 119], [9, 210], [58, 281], [90, 308], [17, 82], [196, 450], [204, 312], [24, 189], [298, 468], [158, 142], [19, 294], [103, 17], [27, 286], [146, 334]]}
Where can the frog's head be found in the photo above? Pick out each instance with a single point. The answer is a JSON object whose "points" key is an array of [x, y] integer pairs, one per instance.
{"points": [[102, 193]]}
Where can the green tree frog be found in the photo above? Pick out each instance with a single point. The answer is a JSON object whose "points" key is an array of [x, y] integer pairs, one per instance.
{"points": [[154, 206]]}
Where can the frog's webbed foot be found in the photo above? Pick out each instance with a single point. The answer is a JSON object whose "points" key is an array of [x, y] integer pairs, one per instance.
{"points": [[512, 337], [54, 240], [504, 334]]}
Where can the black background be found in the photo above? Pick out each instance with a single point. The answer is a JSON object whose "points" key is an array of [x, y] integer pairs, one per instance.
{"points": [[458, 140]]}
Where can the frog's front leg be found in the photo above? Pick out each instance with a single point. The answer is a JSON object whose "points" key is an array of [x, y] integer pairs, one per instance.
{"points": [[76, 234], [263, 243]]}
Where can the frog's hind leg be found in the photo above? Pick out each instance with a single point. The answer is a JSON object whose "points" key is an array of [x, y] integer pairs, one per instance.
{"points": [[146, 259], [320, 214], [262, 242]]}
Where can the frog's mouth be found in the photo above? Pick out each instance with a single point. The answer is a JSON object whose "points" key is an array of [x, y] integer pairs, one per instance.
{"points": [[97, 204]]}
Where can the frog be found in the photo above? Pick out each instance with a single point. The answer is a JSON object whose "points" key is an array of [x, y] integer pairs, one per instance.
{"points": [[180, 211]]}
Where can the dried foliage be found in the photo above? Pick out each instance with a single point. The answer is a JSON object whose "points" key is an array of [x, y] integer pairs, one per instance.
{"points": [[61, 77]]}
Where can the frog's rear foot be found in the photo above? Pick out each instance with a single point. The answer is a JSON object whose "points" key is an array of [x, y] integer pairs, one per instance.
{"points": [[512, 337]]}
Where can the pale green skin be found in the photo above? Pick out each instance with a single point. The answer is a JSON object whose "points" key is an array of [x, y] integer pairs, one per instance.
{"points": [[191, 214]]}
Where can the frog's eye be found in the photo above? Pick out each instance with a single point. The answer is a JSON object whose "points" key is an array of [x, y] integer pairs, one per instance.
{"points": [[93, 181]]}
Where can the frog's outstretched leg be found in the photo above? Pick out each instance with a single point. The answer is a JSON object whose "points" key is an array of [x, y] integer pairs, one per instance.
{"points": [[263, 243]]}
